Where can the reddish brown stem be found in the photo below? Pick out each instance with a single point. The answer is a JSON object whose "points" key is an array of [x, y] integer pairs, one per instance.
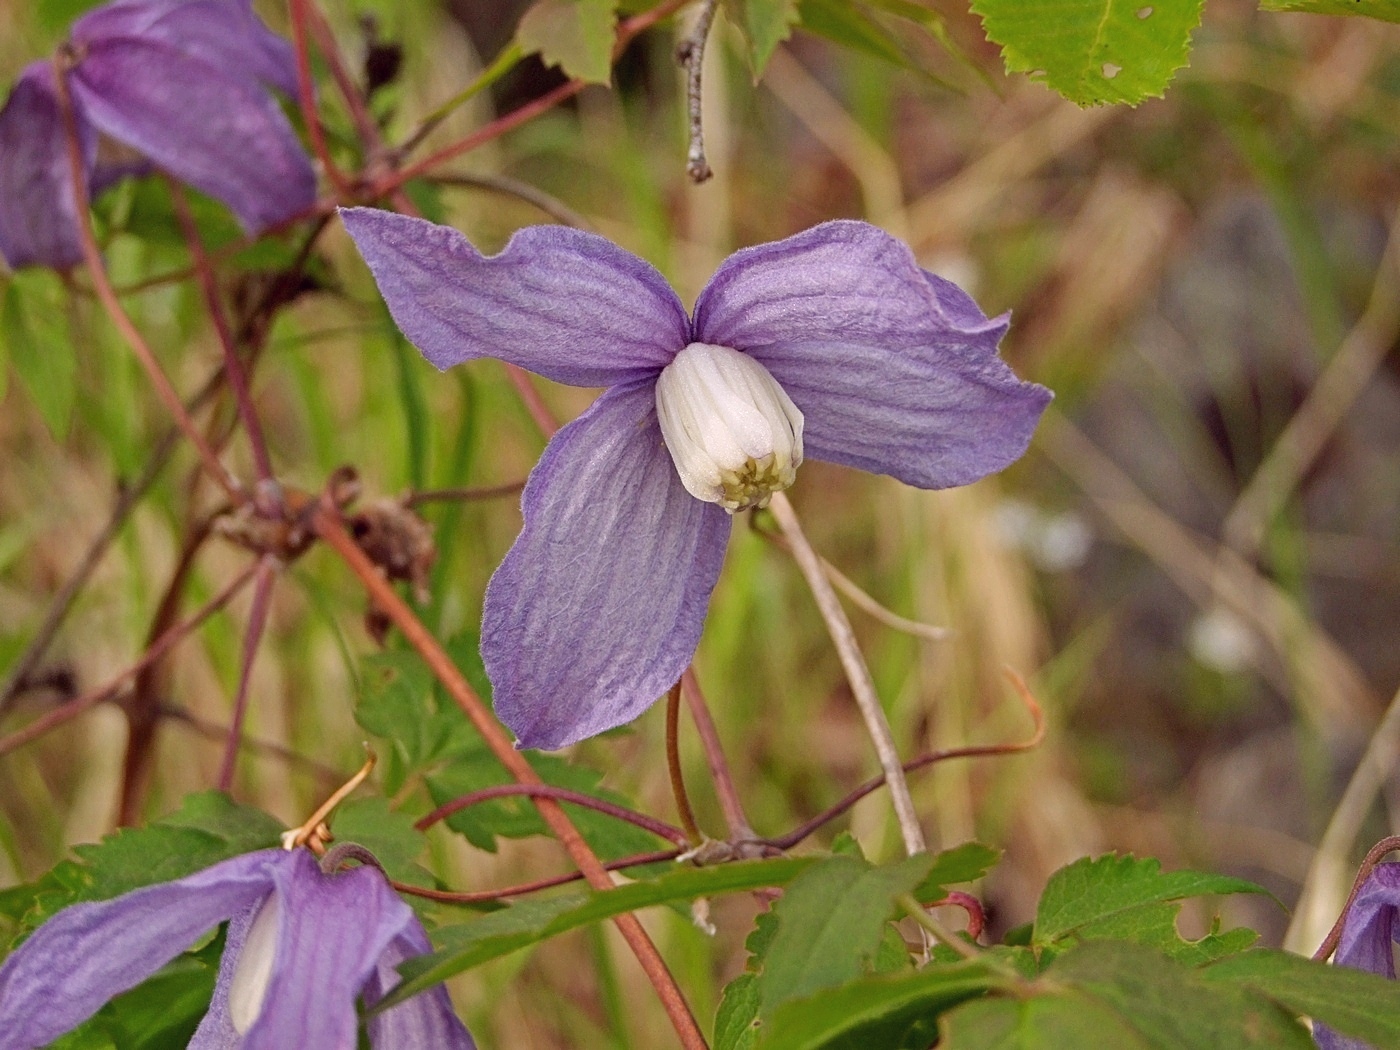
{"points": [[328, 526], [734, 817], [306, 99], [233, 366], [1368, 865], [657, 827], [257, 622], [107, 690], [102, 285], [365, 126], [976, 916], [673, 764], [483, 896]]}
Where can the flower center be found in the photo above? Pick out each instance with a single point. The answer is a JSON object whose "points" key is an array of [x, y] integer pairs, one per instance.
{"points": [[253, 970], [732, 431]]}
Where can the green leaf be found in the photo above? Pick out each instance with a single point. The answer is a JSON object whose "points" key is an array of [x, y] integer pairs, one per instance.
{"points": [[1355, 1003], [1094, 891], [34, 328], [846, 24], [830, 924], [1155, 925], [388, 834], [764, 24], [576, 35], [1094, 51], [966, 863], [884, 1012], [1042, 1023], [736, 1021], [1385, 10], [520, 925]]}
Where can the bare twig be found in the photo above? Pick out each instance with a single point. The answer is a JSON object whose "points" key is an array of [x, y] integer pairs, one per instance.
{"points": [[257, 622], [70, 710], [857, 674], [658, 828], [327, 523], [691, 55], [306, 99], [736, 821]]}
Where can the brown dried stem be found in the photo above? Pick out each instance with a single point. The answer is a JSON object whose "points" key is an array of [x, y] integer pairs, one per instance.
{"points": [[691, 55]]}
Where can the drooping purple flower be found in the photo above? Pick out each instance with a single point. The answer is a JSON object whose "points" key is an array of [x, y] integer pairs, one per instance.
{"points": [[183, 83], [1370, 931], [302, 947], [832, 343]]}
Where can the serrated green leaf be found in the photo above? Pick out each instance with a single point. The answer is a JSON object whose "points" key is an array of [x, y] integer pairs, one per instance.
{"points": [[388, 834], [1090, 891], [966, 863], [1155, 925], [736, 1021], [1094, 51], [1385, 10], [1045, 1022], [1355, 1003], [875, 1011], [830, 924], [576, 35], [520, 925], [34, 329], [764, 24]]}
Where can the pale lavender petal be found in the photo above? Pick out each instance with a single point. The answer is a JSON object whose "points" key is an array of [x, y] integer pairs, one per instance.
{"points": [[226, 34], [223, 136], [88, 953], [38, 220], [1368, 935], [568, 305], [425, 1021], [895, 370], [598, 607]]}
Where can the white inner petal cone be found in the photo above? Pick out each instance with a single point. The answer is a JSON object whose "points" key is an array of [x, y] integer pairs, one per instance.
{"points": [[732, 431], [253, 970]]}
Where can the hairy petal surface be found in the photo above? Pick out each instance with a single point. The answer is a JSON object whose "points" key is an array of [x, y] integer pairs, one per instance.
{"points": [[426, 1020], [88, 953], [1368, 935], [226, 34], [38, 220], [895, 370], [568, 305], [224, 136], [598, 607], [332, 931]]}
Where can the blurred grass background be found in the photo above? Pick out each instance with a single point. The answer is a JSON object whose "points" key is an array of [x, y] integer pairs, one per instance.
{"points": [[1181, 274]]}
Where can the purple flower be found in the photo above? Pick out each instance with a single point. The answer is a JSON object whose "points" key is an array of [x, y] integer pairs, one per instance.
{"points": [[1369, 933], [302, 946], [183, 83], [832, 343]]}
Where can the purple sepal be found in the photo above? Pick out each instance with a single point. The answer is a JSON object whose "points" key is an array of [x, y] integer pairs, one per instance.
{"points": [[38, 224], [598, 607], [1369, 934], [567, 305], [895, 370]]}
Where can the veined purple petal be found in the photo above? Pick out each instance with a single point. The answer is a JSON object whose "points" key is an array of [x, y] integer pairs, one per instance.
{"points": [[1368, 935], [568, 305], [90, 952], [222, 135], [38, 223], [425, 1021], [598, 607], [331, 932], [227, 34], [895, 370]]}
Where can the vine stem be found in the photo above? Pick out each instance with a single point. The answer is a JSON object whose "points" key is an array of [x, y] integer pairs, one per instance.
{"points": [[106, 294], [673, 765], [735, 819], [659, 828], [107, 690], [328, 526], [306, 99], [857, 673]]}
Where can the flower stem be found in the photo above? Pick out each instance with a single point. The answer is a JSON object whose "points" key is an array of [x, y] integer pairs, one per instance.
{"points": [[857, 673], [736, 821], [326, 521], [673, 764]]}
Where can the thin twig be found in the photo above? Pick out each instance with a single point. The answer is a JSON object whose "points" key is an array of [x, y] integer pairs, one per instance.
{"points": [[857, 673], [735, 819], [673, 764], [1328, 868], [658, 828], [691, 55], [417, 499], [257, 622], [72, 708], [306, 99], [365, 127], [506, 186], [233, 366], [327, 524], [1373, 857], [792, 838], [484, 896], [102, 285]]}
